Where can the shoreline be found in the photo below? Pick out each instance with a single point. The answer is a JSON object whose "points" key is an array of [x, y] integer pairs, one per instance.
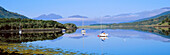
{"points": [[30, 30], [104, 26], [33, 30]]}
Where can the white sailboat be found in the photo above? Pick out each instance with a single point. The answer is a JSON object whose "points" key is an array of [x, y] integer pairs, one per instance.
{"points": [[83, 31], [102, 35]]}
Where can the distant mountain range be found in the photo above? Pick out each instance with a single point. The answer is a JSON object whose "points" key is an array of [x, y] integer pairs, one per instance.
{"points": [[108, 19], [54, 16], [164, 13], [145, 21], [48, 17], [7, 14], [77, 16], [121, 18], [10, 19], [131, 17], [154, 21]]}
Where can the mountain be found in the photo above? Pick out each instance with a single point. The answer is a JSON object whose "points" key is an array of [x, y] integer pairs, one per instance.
{"points": [[7, 14], [131, 17], [77, 16], [48, 17], [153, 21], [166, 8], [164, 13], [121, 18], [161, 19]]}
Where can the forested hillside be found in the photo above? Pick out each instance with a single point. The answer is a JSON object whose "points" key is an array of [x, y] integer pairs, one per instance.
{"points": [[154, 21], [165, 22], [12, 23], [15, 23], [7, 14], [164, 13]]}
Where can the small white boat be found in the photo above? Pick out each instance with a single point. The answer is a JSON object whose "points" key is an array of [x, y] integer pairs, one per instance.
{"points": [[83, 31], [20, 32], [103, 35]]}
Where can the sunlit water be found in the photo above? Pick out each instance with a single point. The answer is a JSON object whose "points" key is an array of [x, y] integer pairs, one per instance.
{"points": [[119, 42]]}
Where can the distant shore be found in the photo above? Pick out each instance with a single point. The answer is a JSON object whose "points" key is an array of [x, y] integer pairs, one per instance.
{"points": [[34, 30], [105, 26]]}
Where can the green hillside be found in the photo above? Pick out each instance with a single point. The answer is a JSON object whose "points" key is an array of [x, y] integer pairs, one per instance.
{"points": [[165, 22], [12, 21], [154, 21], [7, 14], [164, 13]]}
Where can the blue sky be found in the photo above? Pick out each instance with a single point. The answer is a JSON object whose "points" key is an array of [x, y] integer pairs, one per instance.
{"points": [[90, 8]]}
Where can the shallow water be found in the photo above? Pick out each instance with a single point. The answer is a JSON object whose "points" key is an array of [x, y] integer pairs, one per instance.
{"points": [[119, 42]]}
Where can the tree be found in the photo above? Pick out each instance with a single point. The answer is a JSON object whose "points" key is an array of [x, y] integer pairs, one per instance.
{"points": [[166, 20]]}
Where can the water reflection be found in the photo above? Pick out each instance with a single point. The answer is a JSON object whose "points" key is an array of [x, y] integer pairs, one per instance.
{"points": [[17, 37], [70, 31], [131, 34], [28, 37], [158, 30], [160, 34], [119, 40], [162, 31], [14, 43]]}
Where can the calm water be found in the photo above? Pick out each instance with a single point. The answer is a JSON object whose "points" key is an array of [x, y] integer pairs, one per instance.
{"points": [[119, 42]]}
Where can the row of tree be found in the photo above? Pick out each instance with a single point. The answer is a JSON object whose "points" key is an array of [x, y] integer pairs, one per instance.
{"points": [[16, 23], [167, 20]]}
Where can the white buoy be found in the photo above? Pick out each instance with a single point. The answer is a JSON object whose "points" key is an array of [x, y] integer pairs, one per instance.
{"points": [[20, 32]]}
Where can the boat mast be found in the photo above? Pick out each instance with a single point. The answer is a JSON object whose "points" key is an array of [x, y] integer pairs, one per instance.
{"points": [[82, 23], [101, 24], [83, 30]]}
